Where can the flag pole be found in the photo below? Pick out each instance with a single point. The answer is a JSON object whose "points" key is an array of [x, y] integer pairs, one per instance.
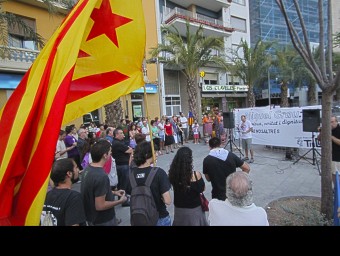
{"points": [[147, 112]]}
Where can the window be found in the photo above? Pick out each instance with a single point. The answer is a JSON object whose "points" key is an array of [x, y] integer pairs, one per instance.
{"points": [[241, 2], [210, 78], [172, 105], [238, 24], [233, 80], [19, 38], [21, 42]]}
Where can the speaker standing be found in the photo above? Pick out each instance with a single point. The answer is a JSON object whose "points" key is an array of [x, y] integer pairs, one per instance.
{"points": [[246, 129], [335, 146]]}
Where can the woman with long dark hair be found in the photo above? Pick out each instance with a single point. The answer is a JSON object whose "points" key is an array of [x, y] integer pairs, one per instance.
{"points": [[187, 185]]}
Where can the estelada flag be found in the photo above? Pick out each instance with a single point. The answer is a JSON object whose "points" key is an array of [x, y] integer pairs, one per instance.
{"points": [[93, 58], [190, 118]]}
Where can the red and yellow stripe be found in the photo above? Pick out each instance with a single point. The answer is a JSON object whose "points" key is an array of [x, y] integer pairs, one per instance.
{"points": [[31, 119]]}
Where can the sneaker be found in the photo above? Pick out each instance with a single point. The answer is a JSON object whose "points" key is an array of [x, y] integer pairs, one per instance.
{"points": [[251, 160], [245, 159]]}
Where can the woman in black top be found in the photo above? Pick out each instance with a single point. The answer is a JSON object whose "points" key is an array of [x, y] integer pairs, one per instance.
{"points": [[187, 185]]}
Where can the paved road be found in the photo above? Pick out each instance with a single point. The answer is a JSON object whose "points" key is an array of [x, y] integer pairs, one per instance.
{"points": [[273, 176]]}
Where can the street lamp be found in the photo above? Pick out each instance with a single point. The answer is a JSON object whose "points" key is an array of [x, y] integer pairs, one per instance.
{"points": [[160, 86], [160, 79]]}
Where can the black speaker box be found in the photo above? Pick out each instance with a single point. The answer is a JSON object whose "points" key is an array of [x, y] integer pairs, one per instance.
{"points": [[310, 120], [228, 120]]}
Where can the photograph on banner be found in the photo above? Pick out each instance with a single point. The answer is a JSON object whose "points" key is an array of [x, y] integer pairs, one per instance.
{"points": [[277, 126]]}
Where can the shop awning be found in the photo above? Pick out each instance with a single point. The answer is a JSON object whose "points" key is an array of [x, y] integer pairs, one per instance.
{"points": [[10, 81], [150, 88]]}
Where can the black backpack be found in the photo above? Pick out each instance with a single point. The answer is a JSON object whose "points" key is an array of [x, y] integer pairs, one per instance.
{"points": [[143, 210]]}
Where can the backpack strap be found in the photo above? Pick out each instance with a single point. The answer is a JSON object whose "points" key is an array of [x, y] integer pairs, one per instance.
{"points": [[133, 182], [195, 176], [151, 176]]}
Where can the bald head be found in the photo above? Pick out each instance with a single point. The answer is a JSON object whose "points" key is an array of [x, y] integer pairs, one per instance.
{"points": [[239, 189]]}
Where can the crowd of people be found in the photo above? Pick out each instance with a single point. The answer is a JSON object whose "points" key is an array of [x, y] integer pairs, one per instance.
{"points": [[104, 157]]}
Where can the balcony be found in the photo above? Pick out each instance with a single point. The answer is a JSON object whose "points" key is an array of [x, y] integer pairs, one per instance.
{"points": [[213, 5], [16, 59], [61, 6], [212, 27]]}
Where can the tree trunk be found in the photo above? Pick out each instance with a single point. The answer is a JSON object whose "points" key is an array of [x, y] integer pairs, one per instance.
{"points": [[114, 113], [285, 104], [326, 155], [312, 100], [192, 97], [251, 96], [284, 95]]}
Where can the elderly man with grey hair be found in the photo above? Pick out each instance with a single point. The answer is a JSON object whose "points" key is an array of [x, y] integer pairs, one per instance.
{"points": [[238, 209]]}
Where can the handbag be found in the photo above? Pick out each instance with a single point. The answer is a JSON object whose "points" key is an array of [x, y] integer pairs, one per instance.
{"points": [[204, 203], [204, 200]]}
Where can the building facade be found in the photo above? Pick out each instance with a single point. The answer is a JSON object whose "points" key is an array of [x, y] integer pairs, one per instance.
{"points": [[336, 20], [23, 51], [220, 18], [268, 24]]}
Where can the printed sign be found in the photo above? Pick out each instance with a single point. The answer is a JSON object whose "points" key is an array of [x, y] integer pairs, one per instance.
{"points": [[224, 88], [277, 126]]}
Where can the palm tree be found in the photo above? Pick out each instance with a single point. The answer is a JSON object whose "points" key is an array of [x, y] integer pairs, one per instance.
{"points": [[113, 113], [188, 55], [304, 77], [284, 62], [251, 64]]}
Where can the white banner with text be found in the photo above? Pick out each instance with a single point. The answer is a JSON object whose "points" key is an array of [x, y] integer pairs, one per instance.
{"points": [[277, 126]]}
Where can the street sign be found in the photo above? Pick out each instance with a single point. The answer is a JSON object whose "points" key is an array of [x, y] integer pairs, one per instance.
{"points": [[202, 74]]}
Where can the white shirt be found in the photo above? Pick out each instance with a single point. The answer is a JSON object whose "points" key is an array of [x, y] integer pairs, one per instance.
{"points": [[195, 128], [61, 147], [223, 213], [184, 122], [245, 126], [145, 130]]}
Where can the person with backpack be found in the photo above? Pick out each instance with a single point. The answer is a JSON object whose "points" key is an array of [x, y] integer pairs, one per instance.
{"points": [[146, 210], [63, 206]]}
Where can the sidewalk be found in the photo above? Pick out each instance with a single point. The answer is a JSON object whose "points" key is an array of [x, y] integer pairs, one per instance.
{"points": [[273, 176]]}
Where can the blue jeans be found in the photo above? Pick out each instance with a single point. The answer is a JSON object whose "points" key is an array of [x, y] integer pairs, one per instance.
{"points": [[123, 177], [166, 221]]}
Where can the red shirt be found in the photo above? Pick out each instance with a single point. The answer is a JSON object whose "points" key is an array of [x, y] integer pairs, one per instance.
{"points": [[168, 129]]}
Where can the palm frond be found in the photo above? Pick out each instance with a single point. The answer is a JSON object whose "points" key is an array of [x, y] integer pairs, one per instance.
{"points": [[188, 54]]}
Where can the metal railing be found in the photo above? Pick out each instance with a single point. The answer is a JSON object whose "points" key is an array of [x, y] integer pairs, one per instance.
{"points": [[171, 14]]}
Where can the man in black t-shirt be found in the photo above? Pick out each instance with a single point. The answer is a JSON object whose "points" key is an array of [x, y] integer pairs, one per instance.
{"points": [[335, 146], [121, 153], [96, 191], [63, 205], [218, 165]]}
